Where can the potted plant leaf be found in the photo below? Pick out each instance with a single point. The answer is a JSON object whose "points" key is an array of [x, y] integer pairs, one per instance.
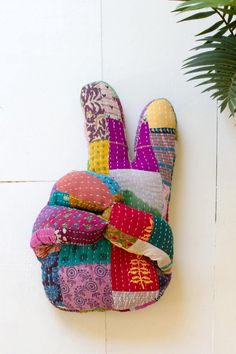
{"points": [[214, 63]]}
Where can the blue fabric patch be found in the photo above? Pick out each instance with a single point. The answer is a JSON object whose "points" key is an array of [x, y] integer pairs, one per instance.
{"points": [[108, 181], [50, 278]]}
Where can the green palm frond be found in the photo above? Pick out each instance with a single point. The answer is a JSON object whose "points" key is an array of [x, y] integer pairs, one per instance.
{"points": [[216, 67], [190, 5], [215, 62]]}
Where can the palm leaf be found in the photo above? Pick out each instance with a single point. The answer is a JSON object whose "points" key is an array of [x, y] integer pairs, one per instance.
{"points": [[190, 5], [198, 15], [211, 28], [216, 66], [214, 63]]}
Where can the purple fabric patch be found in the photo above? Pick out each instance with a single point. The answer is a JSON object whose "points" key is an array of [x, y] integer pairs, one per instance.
{"points": [[86, 286], [118, 152], [164, 280], [118, 157], [58, 217], [116, 131], [143, 135], [145, 157], [86, 225]]}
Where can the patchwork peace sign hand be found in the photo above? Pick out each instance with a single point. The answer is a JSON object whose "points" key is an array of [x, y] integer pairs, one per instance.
{"points": [[103, 239]]}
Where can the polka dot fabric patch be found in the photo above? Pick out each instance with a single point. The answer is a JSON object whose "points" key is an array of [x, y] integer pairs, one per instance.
{"points": [[103, 239]]}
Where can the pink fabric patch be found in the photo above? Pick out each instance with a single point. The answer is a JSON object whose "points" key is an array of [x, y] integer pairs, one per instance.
{"points": [[43, 237], [87, 188], [86, 286]]}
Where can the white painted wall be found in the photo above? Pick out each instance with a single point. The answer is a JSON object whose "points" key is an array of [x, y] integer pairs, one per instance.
{"points": [[48, 50]]}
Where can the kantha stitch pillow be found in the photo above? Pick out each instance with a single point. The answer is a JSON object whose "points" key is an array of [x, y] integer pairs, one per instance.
{"points": [[103, 239]]}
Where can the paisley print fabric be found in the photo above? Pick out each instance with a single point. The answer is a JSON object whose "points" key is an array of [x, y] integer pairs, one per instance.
{"points": [[94, 112], [86, 287]]}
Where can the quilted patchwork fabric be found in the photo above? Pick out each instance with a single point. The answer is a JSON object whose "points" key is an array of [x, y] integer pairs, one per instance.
{"points": [[103, 239]]}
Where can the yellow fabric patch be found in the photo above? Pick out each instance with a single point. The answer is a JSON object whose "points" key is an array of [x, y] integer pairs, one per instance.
{"points": [[76, 202], [98, 156], [160, 114], [106, 214]]}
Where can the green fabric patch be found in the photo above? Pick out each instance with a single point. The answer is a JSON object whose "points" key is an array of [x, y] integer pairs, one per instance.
{"points": [[99, 252], [162, 237], [131, 199], [59, 198]]}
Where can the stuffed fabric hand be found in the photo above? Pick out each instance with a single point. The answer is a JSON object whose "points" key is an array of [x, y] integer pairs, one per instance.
{"points": [[103, 239]]}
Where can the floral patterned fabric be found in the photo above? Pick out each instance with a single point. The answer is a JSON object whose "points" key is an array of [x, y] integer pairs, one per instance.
{"points": [[87, 286]]}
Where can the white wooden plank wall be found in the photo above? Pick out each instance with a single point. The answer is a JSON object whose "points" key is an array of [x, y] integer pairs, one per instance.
{"points": [[48, 50]]}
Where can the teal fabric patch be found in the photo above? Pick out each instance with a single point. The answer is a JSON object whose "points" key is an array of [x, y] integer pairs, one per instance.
{"points": [[59, 198], [165, 165], [161, 148], [108, 181], [99, 252], [161, 236]]}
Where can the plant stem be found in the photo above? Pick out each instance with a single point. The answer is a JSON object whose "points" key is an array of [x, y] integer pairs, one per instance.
{"points": [[223, 18]]}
